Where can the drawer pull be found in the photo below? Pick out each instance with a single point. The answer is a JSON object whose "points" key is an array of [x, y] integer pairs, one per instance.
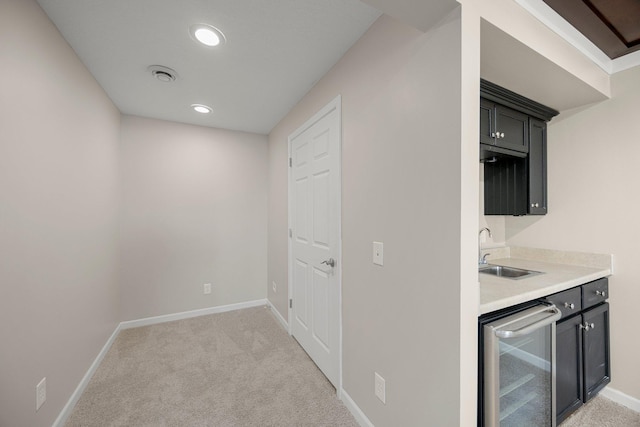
{"points": [[601, 293], [569, 306]]}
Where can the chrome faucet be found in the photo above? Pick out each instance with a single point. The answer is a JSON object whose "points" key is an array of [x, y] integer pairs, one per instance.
{"points": [[482, 259]]}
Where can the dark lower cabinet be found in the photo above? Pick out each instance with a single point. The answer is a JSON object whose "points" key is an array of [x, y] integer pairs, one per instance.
{"points": [[583, 365], [597, 366], [569, 388]]}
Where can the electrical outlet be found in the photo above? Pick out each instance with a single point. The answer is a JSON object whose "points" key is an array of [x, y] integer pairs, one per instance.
{"points": [[380, 387], [274, 286], [378, 253], [41, 393], [207, 288]]}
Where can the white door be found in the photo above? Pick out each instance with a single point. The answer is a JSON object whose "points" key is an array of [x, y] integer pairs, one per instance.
{"points": [[314, 191]]}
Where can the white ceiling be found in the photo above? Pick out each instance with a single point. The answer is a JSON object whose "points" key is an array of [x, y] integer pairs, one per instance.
{"points": [[511, 64], [275, 52]]}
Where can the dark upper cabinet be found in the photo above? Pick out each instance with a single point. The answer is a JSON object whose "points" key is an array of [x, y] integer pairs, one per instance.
{"points": [[487, 122], [537, 168], [505, 187], [513, 148], [503, 127]]}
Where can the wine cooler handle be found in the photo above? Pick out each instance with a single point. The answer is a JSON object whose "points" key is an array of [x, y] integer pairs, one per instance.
{"points": [[554, 316]]}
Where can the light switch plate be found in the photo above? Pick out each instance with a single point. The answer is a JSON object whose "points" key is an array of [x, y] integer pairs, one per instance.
{"points": [[41, 393], [207, 288], [378, 253], [380, 387]]}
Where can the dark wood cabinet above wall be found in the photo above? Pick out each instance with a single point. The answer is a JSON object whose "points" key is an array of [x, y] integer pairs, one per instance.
{"points": [[513, 148], [503, 127]]}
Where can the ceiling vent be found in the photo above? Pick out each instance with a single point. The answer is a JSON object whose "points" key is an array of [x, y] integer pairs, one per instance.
{"points": [[164, 74]]}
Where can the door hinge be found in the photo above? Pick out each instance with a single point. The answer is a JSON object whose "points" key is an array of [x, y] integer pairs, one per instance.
{"points": [[290, 162], [290, 233], [290, 302]]}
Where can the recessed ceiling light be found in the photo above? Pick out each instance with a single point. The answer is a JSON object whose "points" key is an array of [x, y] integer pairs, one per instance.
{"points": [[207, 34], [201, 108]]}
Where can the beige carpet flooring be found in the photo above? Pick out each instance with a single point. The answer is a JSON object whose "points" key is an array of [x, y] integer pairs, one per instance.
{"points": [[602, 412], [231, 369]]}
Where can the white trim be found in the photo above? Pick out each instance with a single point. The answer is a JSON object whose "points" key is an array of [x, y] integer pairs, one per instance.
{"points": [[278, 316], [355, 410], [556, 23], [289, 235], [189, 314], [621, 398], [334, 104], [75, 396], [630, 60]]}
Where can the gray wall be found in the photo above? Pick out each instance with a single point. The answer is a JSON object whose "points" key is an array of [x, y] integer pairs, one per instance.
{"points": [[58, 206], [593, 207], [401, 183], [193, 211]]}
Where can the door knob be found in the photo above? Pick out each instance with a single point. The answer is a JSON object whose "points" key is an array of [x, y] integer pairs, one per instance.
{"points": [[330, 262]]}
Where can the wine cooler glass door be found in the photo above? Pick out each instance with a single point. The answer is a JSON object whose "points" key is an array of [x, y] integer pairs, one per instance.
{"points": [[520, 370]]}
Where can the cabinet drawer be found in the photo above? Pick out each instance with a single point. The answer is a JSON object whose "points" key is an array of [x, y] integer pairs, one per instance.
{"points": [[569, 301], [595, 292]]}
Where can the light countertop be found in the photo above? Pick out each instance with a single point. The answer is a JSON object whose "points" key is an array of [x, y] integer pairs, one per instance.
{"points": [[562, 270]]}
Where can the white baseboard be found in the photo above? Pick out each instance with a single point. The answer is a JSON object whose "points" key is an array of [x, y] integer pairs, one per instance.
{"points": [[357, 413], [75, 396], [189, 314], [278, 316], [621, 398]]}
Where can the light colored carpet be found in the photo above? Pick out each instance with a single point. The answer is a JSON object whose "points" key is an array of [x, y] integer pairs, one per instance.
{"points": [[602, 412], [231, 369]]}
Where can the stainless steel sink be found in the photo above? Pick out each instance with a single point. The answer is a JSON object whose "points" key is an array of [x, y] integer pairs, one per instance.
{"points": [[507, 272]]}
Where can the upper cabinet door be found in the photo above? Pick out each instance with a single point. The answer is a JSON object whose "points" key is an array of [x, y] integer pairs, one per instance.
{"points": [[537, 167], [511, 129], [487, 122]]}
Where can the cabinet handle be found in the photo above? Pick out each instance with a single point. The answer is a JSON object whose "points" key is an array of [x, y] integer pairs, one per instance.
{"points": [[493, 135], [535, 205], [587, 326], [601, 293], [502, 135], [570, 306]]}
